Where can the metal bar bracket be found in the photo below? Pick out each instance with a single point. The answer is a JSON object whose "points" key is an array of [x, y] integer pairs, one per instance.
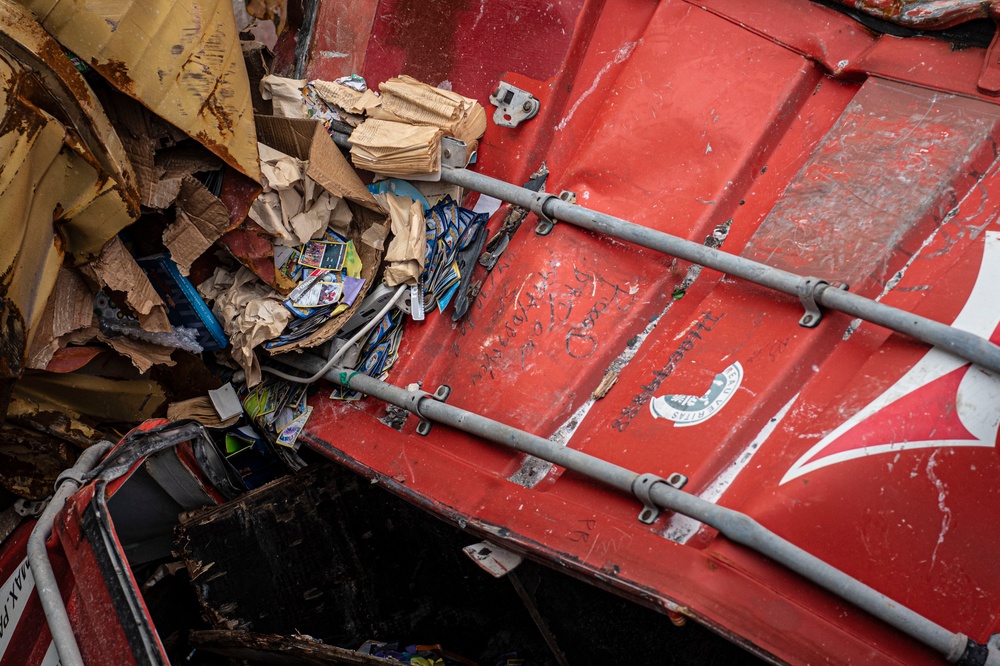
{"points": [[441, 395], [809, 291], [641, 487], [546, 222]]}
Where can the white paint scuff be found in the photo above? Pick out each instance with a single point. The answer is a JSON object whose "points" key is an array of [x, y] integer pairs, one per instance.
{"points": [[682, 528], [942, 492], [621, 55]]}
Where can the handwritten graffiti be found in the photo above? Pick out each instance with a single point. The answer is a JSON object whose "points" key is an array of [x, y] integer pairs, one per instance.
{"points": [[639, 400], [537, 306]]}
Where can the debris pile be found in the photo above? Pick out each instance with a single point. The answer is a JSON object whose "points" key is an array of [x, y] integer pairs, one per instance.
{"points": [[178, 228]]}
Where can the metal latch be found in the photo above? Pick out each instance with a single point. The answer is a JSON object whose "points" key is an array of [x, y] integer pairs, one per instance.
{"points": [[641, 488], [514, 105]]}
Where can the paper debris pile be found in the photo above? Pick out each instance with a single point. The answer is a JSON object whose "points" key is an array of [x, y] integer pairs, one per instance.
{"points": [[210, 225]]}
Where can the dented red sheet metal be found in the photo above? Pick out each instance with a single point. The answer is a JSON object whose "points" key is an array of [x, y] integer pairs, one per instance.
{"points": [[869, 450]]}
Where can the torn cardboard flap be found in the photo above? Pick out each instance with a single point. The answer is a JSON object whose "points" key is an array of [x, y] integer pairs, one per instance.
{"points": [[181, 58], [201, 220], [117, 270], [285, 96], [143, 355], [309, 141], [91, 134], [70, 308]]}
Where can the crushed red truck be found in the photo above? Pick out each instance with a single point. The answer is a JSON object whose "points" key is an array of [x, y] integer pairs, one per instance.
{"points": [[727, 347]]}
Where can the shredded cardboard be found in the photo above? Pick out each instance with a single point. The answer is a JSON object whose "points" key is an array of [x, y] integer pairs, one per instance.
{"points": [[117, 270], [70, 308], [181, 58], [201, 220]]}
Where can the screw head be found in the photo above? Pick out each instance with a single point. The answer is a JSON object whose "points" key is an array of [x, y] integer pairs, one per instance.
{"points": [[447, 152], [527, 106]]}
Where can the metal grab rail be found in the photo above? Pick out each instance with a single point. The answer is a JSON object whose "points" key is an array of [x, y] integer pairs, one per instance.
{"points": [[738, 527], [810, 290], [38, 556], [956, 341]]}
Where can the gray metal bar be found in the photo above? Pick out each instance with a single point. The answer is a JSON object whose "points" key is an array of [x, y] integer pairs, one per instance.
{"points": [[961, 343], [956, 341], [38, 556], [734, 525]]}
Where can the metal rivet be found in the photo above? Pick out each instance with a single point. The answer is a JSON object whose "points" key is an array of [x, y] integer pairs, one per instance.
{"points": [[527, 106], [447, 153], [807, 319]]}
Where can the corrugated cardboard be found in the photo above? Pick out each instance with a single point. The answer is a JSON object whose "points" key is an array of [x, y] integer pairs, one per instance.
{"points": [[309, 141]]}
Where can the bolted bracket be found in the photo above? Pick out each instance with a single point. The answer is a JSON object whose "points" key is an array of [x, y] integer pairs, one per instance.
{"points": [[454, 153], [641, 488], [30, 508], [441, 395], [809, 290], [546, 223]]}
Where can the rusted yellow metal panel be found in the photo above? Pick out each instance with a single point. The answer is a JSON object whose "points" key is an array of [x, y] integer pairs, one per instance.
{"points": [[180, 58]]}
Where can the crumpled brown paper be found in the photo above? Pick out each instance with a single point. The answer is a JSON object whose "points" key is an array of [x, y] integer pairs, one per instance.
{"points": [[249, 311], [292, 207], [285, 95], [406, 252]]}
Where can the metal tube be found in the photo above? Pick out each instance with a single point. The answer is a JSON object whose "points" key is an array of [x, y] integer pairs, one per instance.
{"points": [[736, 526], [38, 556], [956, 341], [961, 343]]}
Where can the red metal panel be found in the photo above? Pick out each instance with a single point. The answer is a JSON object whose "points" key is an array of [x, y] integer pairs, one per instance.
{"points": [[683, 120], [340, 38]]}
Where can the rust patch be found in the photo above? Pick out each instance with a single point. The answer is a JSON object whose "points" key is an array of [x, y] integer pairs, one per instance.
{"points": [[116, 72]]}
